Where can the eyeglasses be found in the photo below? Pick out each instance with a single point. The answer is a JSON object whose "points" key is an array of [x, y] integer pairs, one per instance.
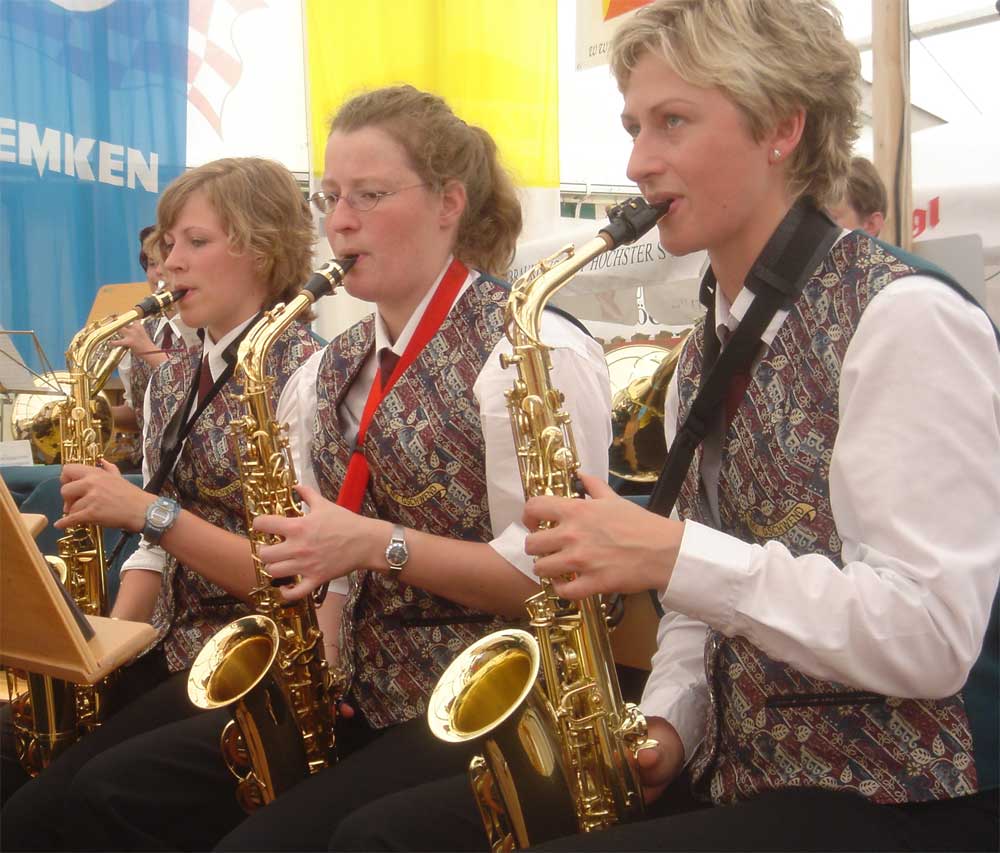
{"points": [[359, 200]]}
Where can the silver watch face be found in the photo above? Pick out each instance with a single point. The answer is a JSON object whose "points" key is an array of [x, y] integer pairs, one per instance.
{"points": [[159, 515], [396, 553]]}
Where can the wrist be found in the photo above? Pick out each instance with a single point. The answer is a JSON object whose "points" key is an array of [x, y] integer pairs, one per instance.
{"points": [[143, 501]]}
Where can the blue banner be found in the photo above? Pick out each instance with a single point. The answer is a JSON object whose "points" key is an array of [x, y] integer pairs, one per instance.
{"points": [[93, 99]]}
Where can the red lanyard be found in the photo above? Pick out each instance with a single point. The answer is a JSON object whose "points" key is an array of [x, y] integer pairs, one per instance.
{"points": [[352, 491]]}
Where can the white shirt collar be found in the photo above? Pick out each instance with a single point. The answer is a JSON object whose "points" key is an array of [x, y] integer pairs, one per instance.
{"points": [[216, 362], [728, 317]]}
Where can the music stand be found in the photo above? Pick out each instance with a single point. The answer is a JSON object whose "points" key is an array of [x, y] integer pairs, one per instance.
{"points": [[39, 631]]}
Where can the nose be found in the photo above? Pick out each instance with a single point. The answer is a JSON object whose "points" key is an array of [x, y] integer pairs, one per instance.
{"points": [[645, 161], [173, 260], [341, 219]]}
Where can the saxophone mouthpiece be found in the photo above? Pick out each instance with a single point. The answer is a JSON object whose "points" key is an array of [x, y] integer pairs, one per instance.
{"points": [[156, 302], [329, 276], [631, 219]]}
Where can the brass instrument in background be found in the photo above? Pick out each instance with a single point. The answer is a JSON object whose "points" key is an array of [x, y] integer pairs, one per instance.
{"points": [[638, 445], [269, 668], [53, 714], [554, 756]]}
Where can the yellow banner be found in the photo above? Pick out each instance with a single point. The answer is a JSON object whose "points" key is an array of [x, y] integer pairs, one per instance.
{"points": [[494, 61]]}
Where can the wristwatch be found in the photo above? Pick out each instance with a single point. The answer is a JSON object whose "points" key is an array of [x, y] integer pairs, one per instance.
{"points": [[160, 517], [396, 554]]}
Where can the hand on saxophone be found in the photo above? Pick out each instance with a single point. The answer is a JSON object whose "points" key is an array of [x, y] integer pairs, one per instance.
{"points": [[659, 764], [101, 495], [604, 544], [134, 337], [326, 543]]}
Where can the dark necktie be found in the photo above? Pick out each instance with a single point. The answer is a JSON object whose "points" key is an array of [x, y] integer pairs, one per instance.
{"points": [[167, 341], [205, 381], [738, 384], [387, 360]]}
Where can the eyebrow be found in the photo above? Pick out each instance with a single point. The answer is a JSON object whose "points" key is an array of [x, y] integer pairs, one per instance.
{"points": [[660, 106]]}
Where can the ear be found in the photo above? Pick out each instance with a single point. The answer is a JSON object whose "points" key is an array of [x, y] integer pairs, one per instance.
{"points": [[453, 202], [786, 134]]}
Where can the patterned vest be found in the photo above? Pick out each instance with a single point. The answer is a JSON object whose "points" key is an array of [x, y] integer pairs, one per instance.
{"points": [[771, 726], [425, 452], [190, 609]]}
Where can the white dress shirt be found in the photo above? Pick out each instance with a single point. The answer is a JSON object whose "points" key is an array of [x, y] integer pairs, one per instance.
{"points": [[915, 494], [578, 370], [153, 557]]}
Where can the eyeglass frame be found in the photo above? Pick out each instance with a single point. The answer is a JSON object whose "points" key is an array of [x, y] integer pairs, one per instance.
{"points": [[333, 199]]}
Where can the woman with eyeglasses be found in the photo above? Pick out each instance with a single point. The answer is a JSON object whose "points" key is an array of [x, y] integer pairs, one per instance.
{"points": [[416, 523], [235, 237]]}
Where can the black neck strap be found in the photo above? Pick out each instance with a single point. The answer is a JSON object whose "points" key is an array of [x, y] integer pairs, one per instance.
{"points": [[180, 425], [798, 246]]}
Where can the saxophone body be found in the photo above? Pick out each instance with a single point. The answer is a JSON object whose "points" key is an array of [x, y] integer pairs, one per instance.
{"points": [[52, 714], [269, 668], [546, 707]]}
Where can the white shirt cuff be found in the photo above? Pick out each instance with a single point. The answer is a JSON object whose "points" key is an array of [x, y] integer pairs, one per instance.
{"points": [[510, 545], [707, 574]]}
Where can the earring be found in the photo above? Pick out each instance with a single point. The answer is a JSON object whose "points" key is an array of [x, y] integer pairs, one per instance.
{"points": [[775, 154]]}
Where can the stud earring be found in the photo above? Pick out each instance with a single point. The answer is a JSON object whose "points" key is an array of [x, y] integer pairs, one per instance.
{"points": [[775, 154]]}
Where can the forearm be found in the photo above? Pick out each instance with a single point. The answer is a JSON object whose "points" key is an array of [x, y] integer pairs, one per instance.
{"points": [[469, 573], [137, 595], [216, 554], [153, 357]]}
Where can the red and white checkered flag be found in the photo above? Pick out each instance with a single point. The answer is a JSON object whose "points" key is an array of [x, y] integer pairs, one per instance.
{"points": [[214, 64]]}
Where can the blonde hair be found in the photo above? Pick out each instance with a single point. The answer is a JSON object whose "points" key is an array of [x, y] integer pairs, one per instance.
{"points": [[262, 210], [442, 148], [769, 58]]}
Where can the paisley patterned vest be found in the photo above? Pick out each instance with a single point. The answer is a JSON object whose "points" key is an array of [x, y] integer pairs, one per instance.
{"points": [[205, 481], [425, 453], [771, 726]]}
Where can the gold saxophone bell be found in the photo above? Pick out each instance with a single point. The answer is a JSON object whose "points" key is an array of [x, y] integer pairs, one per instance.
{"points": [[235, 670], [491, 697]]}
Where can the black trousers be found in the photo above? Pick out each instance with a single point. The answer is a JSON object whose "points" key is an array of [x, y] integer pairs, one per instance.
{"points": [[147, 696], [170, 790], [442, 816]]}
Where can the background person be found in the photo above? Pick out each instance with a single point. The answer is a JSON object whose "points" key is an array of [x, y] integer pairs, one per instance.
{"points": [[150, 343], [864, 203]]}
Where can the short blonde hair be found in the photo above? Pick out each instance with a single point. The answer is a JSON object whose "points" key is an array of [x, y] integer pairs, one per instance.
{"points": [[769, 58], [441, 148], [262, 210]]}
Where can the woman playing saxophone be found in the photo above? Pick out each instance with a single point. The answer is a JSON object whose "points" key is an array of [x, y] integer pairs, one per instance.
{"points": [[417, 529], [235, 237]]}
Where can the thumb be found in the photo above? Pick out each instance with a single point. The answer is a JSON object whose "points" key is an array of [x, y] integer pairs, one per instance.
{"points": [[110, 467], [596, 487], [308, 495]]}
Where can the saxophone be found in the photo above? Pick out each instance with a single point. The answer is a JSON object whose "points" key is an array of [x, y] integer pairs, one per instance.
{"points": [[268, 668], [52, 714], [555, 750]]}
